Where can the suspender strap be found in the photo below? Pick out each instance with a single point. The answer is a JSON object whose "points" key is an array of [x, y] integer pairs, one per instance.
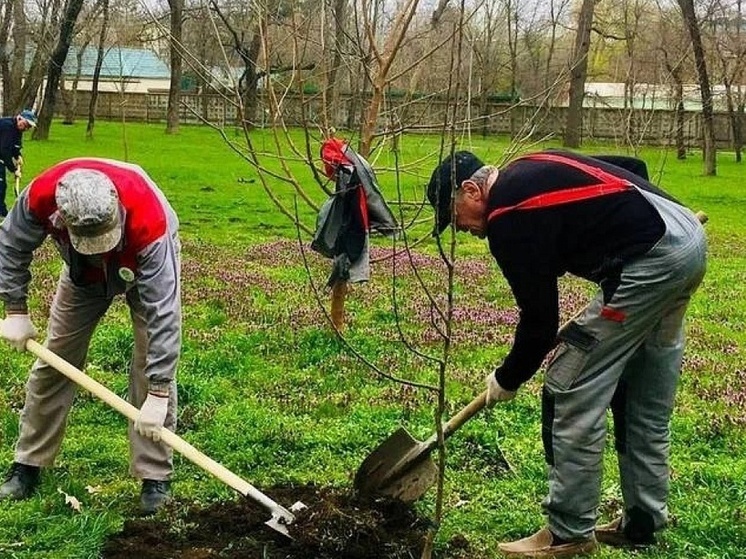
{"points": [[608, 184]]}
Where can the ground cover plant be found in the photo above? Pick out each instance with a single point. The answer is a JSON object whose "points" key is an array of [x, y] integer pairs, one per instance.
{"points": [[268, 390]]}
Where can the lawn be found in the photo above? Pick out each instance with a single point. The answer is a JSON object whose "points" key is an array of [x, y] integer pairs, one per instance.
{"points": [[266, 388]]}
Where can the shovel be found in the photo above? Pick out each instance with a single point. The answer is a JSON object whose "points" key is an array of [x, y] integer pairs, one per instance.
{"points": [[17, 183], [281, 517], [401, 467]]}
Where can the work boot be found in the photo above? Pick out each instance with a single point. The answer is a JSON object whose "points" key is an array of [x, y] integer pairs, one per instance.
{"points": [[612, 534], [21, 482], [546, 545], [153, 495]]}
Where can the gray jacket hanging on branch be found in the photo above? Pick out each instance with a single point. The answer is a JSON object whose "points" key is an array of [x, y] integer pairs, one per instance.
{"points": [[345, 219]]}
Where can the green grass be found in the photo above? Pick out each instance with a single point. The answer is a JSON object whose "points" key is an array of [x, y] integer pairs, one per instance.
{"points": [[268, 391]]}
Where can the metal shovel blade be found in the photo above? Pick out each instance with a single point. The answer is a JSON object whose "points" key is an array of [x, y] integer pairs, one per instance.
{"points": [[399, 467], [282, 518]]}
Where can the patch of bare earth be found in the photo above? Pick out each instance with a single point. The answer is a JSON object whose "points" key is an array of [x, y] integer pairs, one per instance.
{"points": [[335, 525]]}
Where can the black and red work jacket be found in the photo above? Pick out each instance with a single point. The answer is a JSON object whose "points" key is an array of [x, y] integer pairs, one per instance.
{"points": [[548, 217]]}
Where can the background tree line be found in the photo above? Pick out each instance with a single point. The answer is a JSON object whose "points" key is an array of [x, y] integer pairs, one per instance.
{"points": [[536, 52]]}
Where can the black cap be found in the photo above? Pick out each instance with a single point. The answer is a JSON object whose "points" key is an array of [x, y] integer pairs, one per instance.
{"points": [[439, 188]]}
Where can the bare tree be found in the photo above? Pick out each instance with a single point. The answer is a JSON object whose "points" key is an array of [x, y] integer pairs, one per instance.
{"points": [[672, 48], [333, 59], [245, 31], [89, 27], [7, 11], [54, 68], [14, 36], [512, 10], [556, 11], [176, 12], [69, 96], [674, 68], [541, 38], [383, 57], [100, 52], [386, 54], [45, 36], [632, 16], [730, 48], [491, 22], [708, 122], [578, 73]]}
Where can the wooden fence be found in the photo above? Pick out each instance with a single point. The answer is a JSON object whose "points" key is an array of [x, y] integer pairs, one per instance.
{"points": [[425, 114]]}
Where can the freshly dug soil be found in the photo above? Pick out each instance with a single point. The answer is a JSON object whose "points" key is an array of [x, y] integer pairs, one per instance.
{"points": [[335, 525]]}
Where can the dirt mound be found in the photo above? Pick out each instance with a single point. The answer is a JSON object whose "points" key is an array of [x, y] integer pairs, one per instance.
{"points": [[336, 525]]}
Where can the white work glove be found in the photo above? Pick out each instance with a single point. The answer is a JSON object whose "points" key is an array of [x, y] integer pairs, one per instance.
{"points": [[152, 416], [495, 392], [17, 329]]}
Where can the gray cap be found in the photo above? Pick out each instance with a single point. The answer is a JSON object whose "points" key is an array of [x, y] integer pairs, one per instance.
{"points": [[88, 203]]}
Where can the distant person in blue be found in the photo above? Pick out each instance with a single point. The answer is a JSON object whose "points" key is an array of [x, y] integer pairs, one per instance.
{"points": [[11, 132]]}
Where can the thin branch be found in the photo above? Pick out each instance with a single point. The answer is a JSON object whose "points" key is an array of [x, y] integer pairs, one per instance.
{"points": [[341, 337]]}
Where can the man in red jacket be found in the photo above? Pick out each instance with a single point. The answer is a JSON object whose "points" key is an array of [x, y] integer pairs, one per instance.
{"points": [[551, 213], [117, 235]]}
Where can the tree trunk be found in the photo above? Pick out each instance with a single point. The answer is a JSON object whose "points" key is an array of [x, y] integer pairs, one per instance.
{"points": [[732, 117], [484, 113], [679, 116], [513, 28], [54, 69], [358, 89], [370, 120], [12, 66], [332, 91], [174, 91], [709, 148], [37, 68], [248, 84], [738, 131], [383, 60], [250, 79], [578, 74], [97, 69], [6, 15], [71, 100]]}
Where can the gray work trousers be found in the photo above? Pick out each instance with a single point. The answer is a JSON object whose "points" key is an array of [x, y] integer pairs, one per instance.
{"points": [[624, 353], [73, 317]]}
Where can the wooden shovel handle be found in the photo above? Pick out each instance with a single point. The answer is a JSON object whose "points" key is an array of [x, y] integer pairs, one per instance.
{"points": [[168, 437], [464, 415], [453, 424]]}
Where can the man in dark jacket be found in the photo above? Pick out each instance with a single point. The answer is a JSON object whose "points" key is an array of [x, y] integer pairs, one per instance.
{"points": [[117, 235], [11, 131], [551, 213]]}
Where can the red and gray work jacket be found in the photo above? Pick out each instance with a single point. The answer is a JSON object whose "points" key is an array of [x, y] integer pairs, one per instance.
{"points": [[146, 258]]}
